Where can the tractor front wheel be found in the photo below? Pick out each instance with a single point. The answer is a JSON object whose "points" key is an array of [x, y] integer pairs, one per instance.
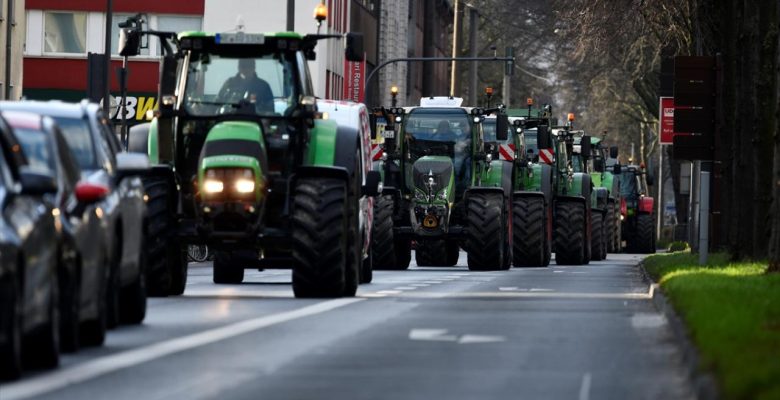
{"points": [[570, 235], [645, 235], [486, 218], [597, 244], [387, 251], [528, 232], [320, 224]]}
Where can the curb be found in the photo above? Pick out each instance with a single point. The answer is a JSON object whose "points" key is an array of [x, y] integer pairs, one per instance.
{"points": [[704, 384]]}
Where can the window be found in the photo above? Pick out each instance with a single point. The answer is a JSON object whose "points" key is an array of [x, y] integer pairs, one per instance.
{"points": [[115, 20], [177, 24], [65, 32], [79, 138], [37, 149]]}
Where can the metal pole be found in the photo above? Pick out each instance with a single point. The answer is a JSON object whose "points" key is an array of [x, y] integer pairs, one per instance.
{"points": [[107, 60], [290, 15], [9, 31], [660, 180], [123, 88], [473, 53], [704, 215], [454, 49]]}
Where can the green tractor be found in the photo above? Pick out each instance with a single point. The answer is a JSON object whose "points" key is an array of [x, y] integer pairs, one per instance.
{"points": [[246, 164], [442, 189], [638, 226], [572, 212], [583, 161], [605, 173], [532, 184]]}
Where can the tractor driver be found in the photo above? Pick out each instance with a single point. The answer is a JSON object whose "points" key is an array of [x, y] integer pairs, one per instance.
{"points": [[246, 85]]}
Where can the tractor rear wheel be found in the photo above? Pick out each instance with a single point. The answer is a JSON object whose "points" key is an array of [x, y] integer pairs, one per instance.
{"points": [[528, 232], [570, 233], [645, 234], [387, 251], [431, 253], [486, 219], [320, 230], [609, 230], [157, 240], [597, 244], [225, 270]]}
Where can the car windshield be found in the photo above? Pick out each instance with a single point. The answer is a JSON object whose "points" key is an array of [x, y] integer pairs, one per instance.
{"points": [[218, 85], [38, 150], [77, 134]]}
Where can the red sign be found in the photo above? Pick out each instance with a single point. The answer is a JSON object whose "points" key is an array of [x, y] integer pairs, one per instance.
{"points": [[355, 80], [666, 119]]}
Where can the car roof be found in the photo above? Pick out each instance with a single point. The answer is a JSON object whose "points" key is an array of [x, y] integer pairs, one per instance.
{"points": [[52, 108]]}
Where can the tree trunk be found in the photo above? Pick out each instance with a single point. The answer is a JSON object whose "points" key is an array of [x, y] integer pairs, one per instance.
{"points": [[766, 93], [774, 239]]}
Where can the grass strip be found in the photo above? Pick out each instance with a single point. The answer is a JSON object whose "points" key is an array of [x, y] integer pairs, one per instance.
{"points": [[732, 311]]}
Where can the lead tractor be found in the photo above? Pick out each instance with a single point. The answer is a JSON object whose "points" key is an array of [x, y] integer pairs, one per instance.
{"points": [[442, 188], [246, 163]]}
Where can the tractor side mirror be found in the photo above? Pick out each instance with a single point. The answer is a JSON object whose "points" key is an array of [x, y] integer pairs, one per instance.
{"points": [[613, 152], [650, 180], [598, 164], [129, 42], [502, 127], [585, 147], [617, 170], [353, 50], [543, 139]]}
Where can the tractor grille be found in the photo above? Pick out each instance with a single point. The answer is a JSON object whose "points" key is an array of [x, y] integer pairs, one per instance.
{"points": [[441, 171]]}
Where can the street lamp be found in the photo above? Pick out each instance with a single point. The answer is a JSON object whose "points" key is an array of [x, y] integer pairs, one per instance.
{"points": [[489, 94], [320, 14], [394, 93]]}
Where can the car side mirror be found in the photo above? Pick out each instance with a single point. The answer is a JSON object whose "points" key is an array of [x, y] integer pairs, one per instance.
{"points": [[613, 152], [543, 139], [502, 127], [353, 48], [37, 183], [617, 170], [373, 186], [129, 42]]}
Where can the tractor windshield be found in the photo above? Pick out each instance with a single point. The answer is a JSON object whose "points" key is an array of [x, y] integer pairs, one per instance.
{"points": [[530, 139], [629, 188], [220, 84]]}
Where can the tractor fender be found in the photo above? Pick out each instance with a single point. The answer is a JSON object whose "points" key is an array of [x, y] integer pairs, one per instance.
{"points": [[473, 190], [546, 183], [138, 138], [528, 194], [347, 148]]}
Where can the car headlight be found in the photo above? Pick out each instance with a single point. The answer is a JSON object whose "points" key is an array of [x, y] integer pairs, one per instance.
{"points": [[244, 185], [213, 186]]}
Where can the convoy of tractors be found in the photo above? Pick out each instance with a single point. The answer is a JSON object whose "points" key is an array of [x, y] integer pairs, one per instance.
{"points": [[247, 161]]}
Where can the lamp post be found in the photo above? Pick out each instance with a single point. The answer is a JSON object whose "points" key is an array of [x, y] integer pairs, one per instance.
{"points": [[394, 93], [320, 14]]}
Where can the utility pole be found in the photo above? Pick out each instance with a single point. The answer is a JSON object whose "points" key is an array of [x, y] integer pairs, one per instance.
{"points": [[10, 22], [509, 68], [454, 49], [290, 15], [474, 97], [107, 60]]}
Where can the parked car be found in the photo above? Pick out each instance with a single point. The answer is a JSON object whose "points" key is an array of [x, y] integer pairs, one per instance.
{"points": [[98, 153], [82, 253], [29, 310]]}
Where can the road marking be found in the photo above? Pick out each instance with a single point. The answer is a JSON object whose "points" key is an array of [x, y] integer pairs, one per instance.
{"points": [[372, 295], [506, 289], [92, 369], [431, 282], [585, 387], [647, 320], [431, 335], [469, 339], [389, 292], [521, 294], [405, 288], [541, 290], [420, 284]]}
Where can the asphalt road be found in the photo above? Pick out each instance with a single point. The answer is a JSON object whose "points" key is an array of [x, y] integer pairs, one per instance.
{"points": [[585, 332]]}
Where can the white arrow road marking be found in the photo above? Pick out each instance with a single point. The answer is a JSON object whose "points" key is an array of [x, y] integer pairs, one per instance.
{"points": [[431, 334], [468, 339], [92, 369]]}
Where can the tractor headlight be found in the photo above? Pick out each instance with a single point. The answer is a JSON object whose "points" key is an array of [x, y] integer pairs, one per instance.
{"points": [[213, 186], [244, 185]]}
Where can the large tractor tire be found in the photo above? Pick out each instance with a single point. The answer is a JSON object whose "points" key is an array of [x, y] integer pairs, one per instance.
{"points": [[166, 272], [320, 231], [431, 253], [528, 232], [486, 219], [609, 229], [645, 235], [598, 244], [225, 270], [570, 235], [387, 251]]}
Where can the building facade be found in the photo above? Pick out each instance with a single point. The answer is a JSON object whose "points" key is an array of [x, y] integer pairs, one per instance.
{"points": [[12, 27]]}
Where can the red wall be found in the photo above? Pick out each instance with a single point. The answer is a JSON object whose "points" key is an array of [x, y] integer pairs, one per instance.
{"points": [[63, 73], [191, 7]]}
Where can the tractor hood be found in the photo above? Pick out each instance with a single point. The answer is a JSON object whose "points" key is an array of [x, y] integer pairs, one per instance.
{"points": [[433, 178]]}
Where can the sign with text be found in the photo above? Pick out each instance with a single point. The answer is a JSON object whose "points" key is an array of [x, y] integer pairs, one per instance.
{"points": [[666, 117], [355, 80]]}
